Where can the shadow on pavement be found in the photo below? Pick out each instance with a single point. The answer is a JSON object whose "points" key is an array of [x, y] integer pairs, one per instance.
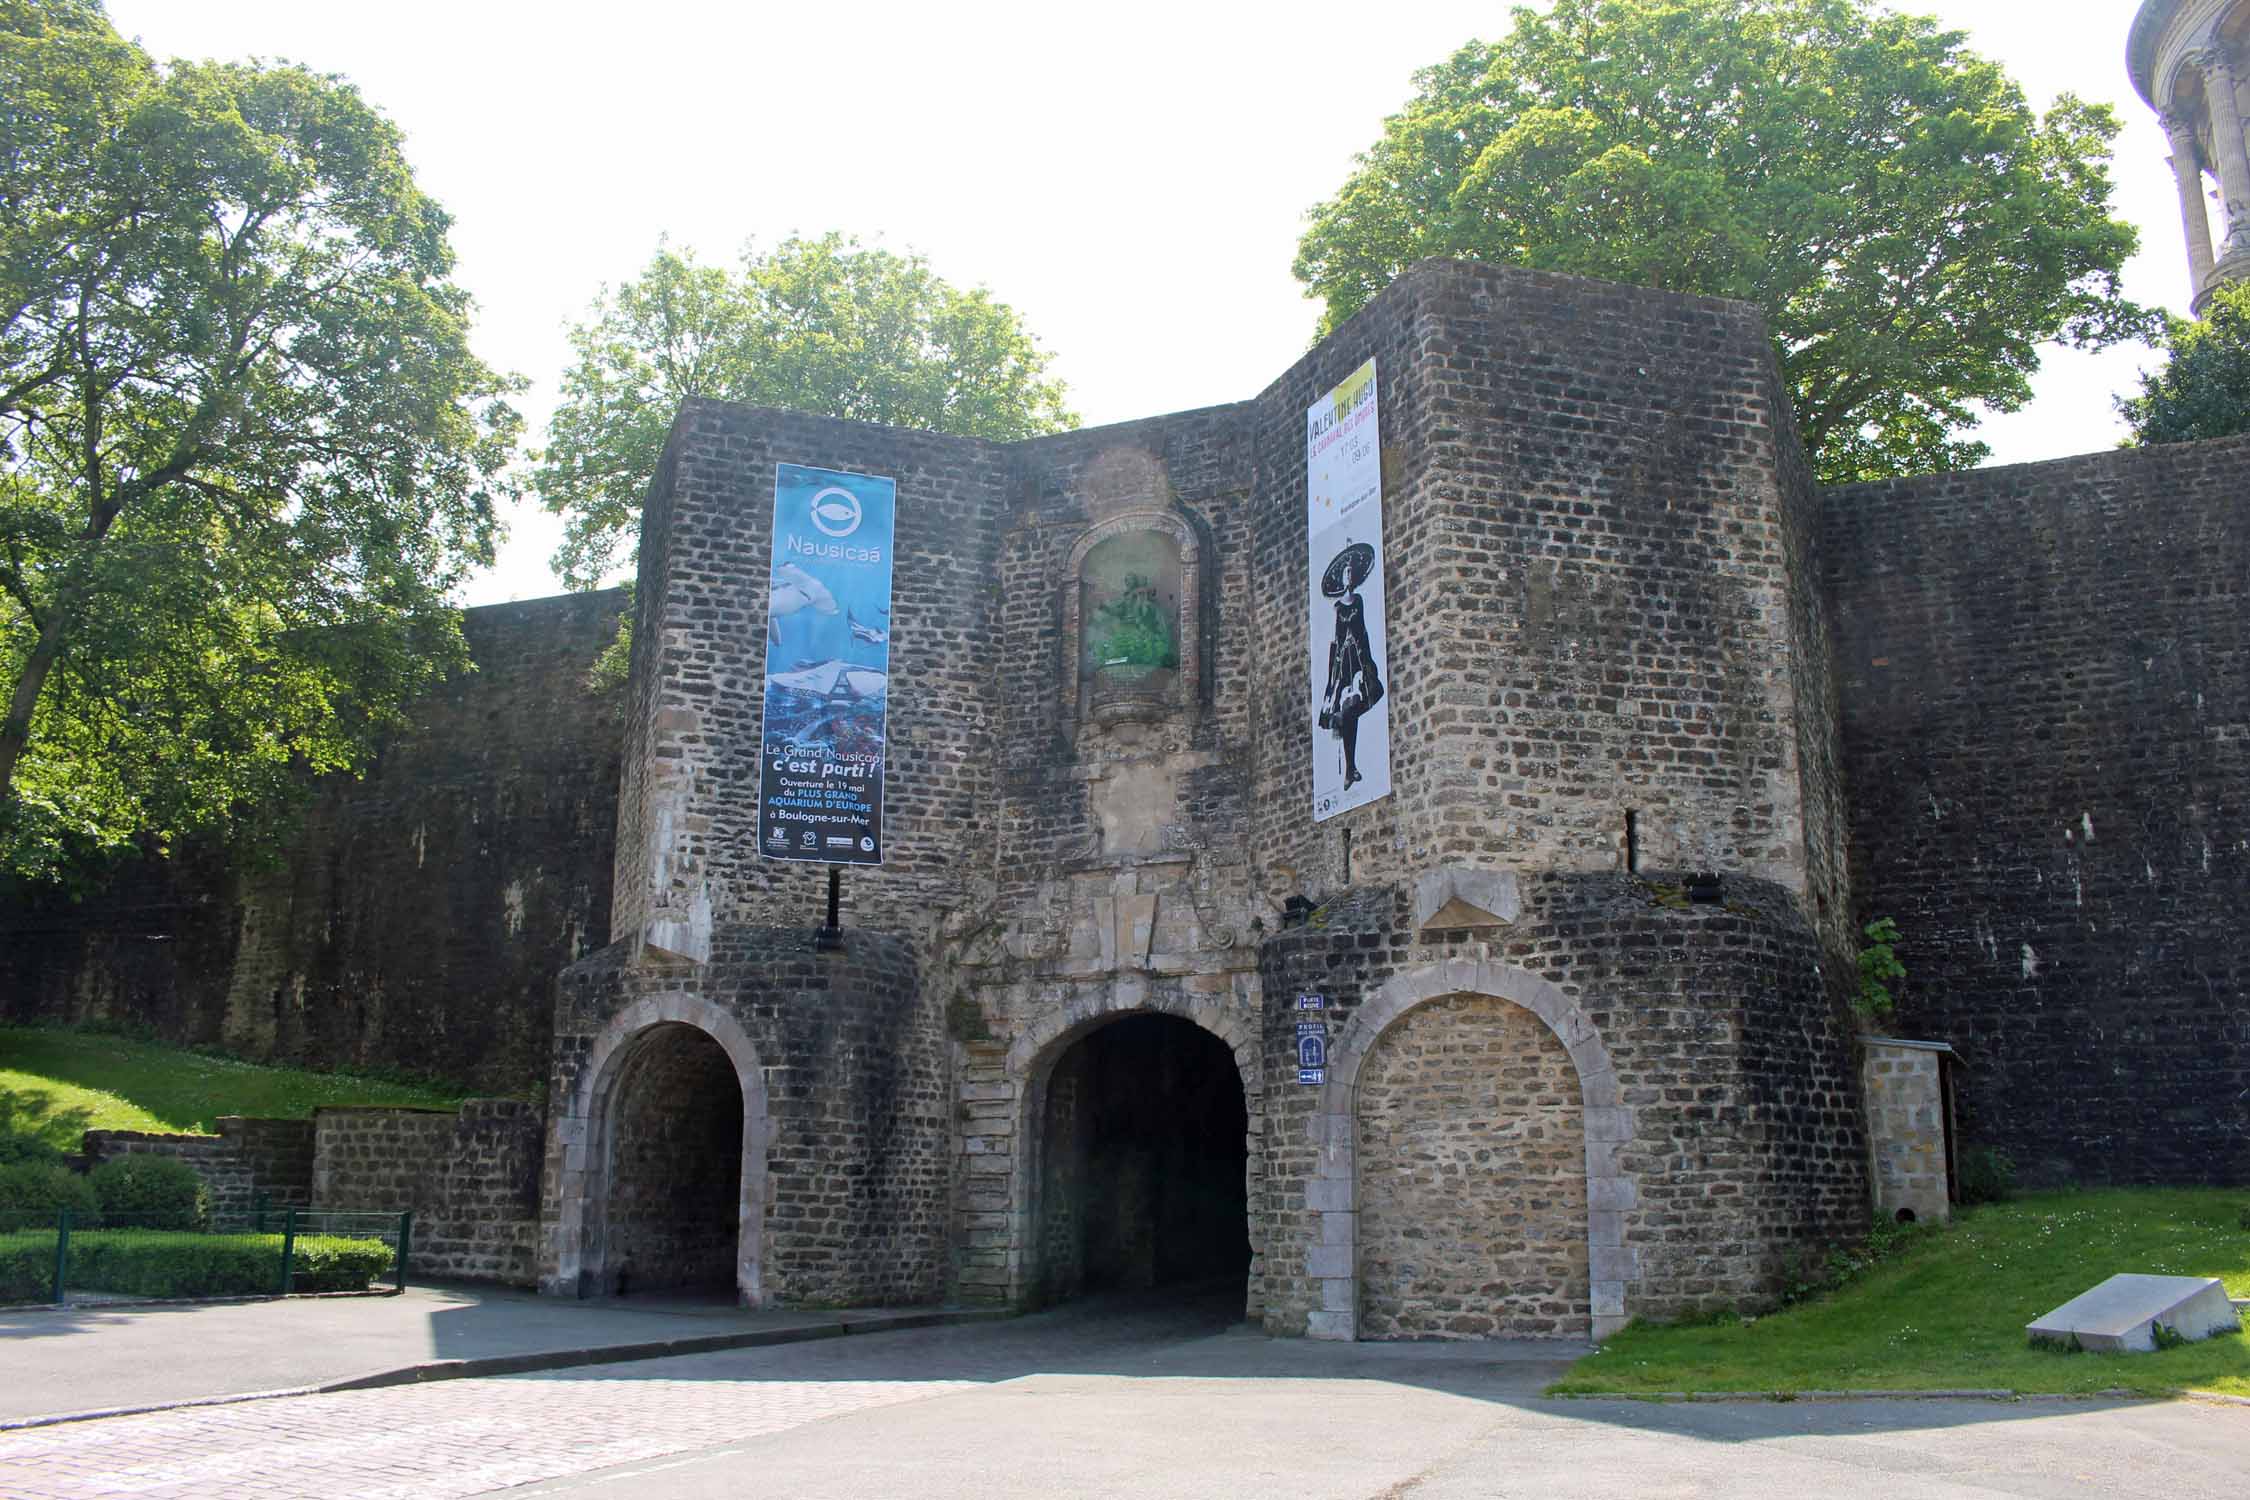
{"points": [[1200, 1335]]}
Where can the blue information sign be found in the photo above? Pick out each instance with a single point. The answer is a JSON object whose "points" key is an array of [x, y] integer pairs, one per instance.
{"points": [[828, 667]]}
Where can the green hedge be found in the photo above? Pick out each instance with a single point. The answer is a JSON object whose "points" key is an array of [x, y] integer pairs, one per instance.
{"points": [[166, 1263], [156, 1192], [27, 1267], [31, 1192]]}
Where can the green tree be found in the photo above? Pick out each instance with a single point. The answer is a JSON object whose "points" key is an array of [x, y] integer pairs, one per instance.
{"points": [[1912, 231], [244, 448], [818, 325], [2203, 391]]}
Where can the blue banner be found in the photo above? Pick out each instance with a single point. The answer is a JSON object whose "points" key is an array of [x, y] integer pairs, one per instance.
{"points": [[828, 666]]}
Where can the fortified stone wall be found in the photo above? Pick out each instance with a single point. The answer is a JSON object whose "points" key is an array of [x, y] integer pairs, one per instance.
{"points": [[2046, 700], [470, 1176], [420, 914]]}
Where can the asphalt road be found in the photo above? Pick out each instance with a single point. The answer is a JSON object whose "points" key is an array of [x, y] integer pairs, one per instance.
{"points": [[1118, 1399]]}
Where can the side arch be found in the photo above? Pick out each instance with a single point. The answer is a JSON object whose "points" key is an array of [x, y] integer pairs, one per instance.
{"points": [[1031, 1063], [584, 1142], [1332, 1195]]}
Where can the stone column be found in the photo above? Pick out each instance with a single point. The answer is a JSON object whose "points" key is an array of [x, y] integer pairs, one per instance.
{"points": [[2234, 163], [2195, 219]]}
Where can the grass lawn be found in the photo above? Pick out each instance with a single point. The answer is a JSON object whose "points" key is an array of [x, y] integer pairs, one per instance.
{"points": [[61, 1083], [1950, 1311]]}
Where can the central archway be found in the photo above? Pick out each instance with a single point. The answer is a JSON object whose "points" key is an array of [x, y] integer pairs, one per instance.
{"points": [[1140, 1181]]}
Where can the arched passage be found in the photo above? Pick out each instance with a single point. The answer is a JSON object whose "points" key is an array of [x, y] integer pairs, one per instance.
{"points": [[662, 1157], [673, 1215], [1334, 1194], [1139, 1176]]}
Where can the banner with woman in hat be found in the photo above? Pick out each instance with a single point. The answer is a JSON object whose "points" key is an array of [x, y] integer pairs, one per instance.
{"points": [[1344, 534]]}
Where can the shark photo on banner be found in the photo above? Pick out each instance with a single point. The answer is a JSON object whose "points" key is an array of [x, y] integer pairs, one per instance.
{"points": [[1344, 534], [828, 664]]}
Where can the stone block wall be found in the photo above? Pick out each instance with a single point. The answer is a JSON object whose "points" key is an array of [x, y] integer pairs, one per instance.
{"points": [[1907, 1129], [418, 916], [470, 1176], [2046, 696], [248, 1159], [1472, 1185]]}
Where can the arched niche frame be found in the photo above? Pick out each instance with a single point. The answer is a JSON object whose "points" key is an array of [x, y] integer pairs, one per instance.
{"points": [[1332, 1193], [1175, 529]]}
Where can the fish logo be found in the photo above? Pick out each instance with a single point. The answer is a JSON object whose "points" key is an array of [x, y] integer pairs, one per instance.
{"points": [[835, 510]]}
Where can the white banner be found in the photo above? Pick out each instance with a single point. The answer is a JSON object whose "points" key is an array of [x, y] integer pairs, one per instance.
{"points": [[1351, 731]]}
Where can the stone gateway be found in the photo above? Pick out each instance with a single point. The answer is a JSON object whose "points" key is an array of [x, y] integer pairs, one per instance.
{"points": [[1058, 1048], [1668, 724]]}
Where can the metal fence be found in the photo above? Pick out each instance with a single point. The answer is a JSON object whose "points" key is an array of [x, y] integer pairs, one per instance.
{"points": [[72, 1256]]}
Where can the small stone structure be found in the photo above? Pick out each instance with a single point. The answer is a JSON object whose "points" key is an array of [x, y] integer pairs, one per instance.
{"points": [[1909, 1127], [470, 1176]]}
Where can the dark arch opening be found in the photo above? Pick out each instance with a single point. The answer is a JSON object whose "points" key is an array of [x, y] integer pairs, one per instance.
{"points": [[675, 1171], [1143, 1153]]}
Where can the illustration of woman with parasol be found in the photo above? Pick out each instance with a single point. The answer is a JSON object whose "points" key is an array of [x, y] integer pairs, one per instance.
{"points": [[1354, 684]]}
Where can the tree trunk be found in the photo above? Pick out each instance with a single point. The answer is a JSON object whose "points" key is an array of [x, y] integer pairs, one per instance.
{"points": [[15, 734]]}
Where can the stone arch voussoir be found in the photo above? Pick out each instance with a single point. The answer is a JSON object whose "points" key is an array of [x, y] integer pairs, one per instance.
{"points": [[1332, 1195]]}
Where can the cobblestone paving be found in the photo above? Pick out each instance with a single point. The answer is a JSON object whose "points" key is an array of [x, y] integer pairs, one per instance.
{"points": [[468, 1437], [420, 1442]]}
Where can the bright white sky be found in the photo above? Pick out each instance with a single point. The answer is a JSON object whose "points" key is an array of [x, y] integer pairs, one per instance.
{"points": [[1131, 178]]}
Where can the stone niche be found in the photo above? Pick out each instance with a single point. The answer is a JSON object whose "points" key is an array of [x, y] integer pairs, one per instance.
{"points": [[1132, 611]]}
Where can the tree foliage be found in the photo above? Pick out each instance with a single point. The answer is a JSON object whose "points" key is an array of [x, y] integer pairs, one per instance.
{"points": [[245, 450], [2203, 391], [817, 325], [1912, 231]]}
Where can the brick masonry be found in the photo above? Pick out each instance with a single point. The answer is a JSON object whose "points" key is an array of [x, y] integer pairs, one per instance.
{"points": [[839, 1070], [1721, 1109], [1472, 1188], [471, 1177]]}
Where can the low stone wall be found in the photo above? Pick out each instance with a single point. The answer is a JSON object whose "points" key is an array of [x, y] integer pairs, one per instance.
{"points": [[247, 1158], [471, 1177]]}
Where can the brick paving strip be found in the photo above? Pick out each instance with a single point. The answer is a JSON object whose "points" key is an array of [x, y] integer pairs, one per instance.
{"points": [[421, 1442]]}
